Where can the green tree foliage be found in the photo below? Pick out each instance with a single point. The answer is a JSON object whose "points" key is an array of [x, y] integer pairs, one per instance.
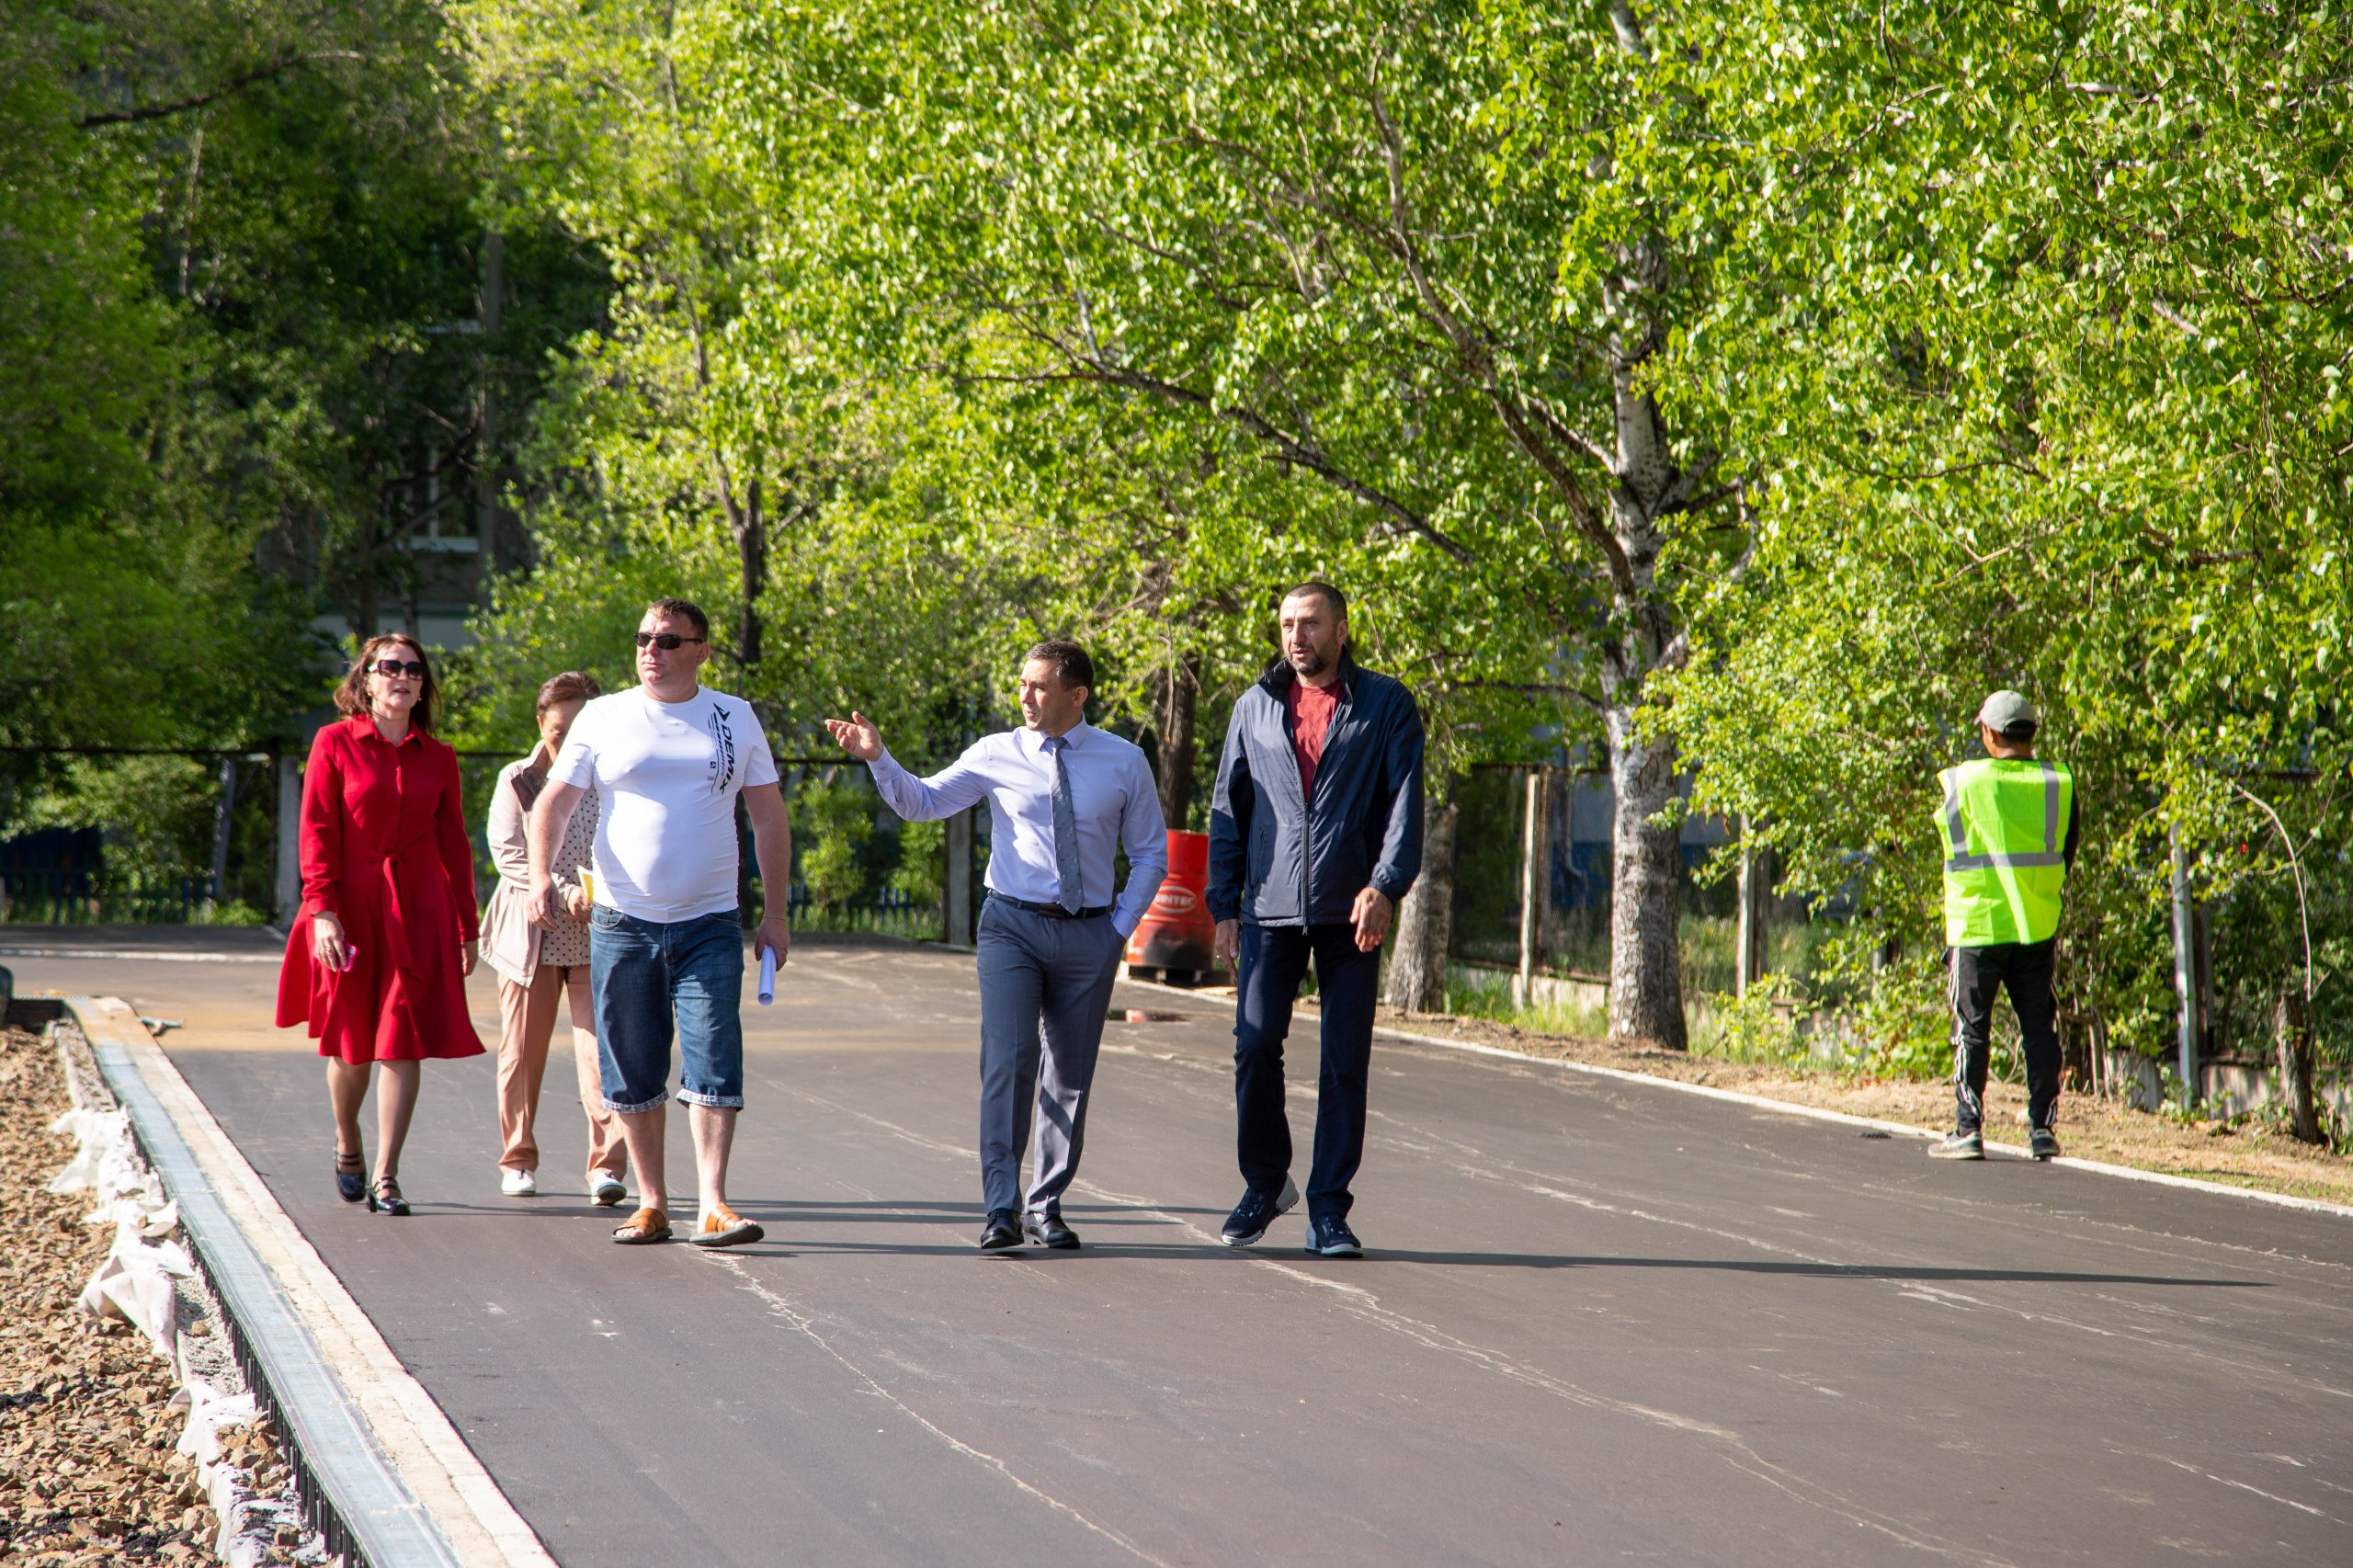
{"points": [[118, 612], [1318, 243], [673, 456], [242, 369], [240, 347], [837, 818], [2039, 323]]}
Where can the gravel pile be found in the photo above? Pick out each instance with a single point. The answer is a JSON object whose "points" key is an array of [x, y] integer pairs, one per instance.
{"points": [[89, 1414]]}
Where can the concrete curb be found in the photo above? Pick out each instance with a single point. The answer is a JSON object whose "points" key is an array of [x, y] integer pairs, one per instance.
{"points": [[144, 955], [1789, 1107], [399, 1480]]}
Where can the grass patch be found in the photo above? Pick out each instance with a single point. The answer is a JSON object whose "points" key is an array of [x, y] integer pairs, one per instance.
{"points": [[1486, 994]]}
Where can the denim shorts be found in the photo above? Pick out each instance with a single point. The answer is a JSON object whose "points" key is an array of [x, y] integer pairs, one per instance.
{"points": [[651, 976]]}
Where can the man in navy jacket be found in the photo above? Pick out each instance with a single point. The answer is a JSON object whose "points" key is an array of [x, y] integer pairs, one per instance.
{"points": [[1315, 833]]}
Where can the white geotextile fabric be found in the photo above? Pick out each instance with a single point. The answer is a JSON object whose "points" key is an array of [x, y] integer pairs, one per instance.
{"points": [[136, 1280], [247, 1522], [137, 1283], [105, 1159]]}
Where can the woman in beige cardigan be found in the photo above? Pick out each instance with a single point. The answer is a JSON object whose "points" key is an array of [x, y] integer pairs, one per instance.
{"points": [[535, 965]]}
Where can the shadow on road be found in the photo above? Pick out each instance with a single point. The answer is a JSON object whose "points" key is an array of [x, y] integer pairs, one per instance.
{"points": [[1799, 1269], [1093, 1219]]}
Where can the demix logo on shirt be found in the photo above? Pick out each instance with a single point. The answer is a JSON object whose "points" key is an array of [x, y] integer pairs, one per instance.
{"points": [[722, 751]]}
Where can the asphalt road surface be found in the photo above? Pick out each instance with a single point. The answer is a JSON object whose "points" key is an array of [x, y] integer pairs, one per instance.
{"points": [[1600, 1321]]}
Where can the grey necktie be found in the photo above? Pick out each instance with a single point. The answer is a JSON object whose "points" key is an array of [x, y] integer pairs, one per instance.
{"points": [[1065, 828]]}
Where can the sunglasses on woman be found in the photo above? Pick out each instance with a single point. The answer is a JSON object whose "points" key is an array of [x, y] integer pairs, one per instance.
{"points": [[412, 669], [666, 641]]}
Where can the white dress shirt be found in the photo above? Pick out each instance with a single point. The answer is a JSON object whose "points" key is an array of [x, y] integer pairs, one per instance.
{"points": [[1113, 794]]}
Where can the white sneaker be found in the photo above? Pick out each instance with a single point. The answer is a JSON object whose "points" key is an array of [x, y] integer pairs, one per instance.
{"points": [[605, 1190], [519, 1184]]}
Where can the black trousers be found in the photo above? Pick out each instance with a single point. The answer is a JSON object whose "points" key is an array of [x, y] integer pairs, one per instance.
{"points": [[2025, 970], [1273, 962]]}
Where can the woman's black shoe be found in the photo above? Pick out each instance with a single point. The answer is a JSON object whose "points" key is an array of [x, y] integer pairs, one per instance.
{"points": [[350, 1177], [386, 1195]]}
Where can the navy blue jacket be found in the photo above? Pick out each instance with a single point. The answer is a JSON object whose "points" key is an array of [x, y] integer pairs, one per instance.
{"points": [[1276, 858]]}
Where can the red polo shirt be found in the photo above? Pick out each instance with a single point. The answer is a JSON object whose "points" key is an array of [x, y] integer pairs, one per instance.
{"points": [[1311, 709]]}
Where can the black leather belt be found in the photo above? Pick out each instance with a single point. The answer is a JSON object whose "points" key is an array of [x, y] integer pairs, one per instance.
{"points": [[1050, 911]]}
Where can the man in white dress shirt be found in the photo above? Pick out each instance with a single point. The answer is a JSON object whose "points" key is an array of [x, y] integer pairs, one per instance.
{"points": [[1062, 794]]}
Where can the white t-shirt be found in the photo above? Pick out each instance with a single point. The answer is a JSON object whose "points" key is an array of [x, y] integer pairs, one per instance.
{"points": [[666, 775]]}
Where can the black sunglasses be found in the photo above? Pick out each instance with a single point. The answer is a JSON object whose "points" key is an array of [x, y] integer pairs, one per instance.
{"points": [[412, 669], [666, 641]]}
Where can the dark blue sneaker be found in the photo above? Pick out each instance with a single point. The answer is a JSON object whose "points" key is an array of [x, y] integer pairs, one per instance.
{"points": [[1328, 1236], [1256, 1212]]}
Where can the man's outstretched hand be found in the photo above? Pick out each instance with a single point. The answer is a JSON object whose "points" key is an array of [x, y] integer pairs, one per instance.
{"points": [[856, 735]]}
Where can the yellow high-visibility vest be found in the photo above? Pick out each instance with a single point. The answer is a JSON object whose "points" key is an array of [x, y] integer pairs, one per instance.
{"points": [[2004, 821]]}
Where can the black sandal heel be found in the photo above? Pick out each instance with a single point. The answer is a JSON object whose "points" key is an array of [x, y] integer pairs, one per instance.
{"points": [[351, 1185], [386, 1195]]}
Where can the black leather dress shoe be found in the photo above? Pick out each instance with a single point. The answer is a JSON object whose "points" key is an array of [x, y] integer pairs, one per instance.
{"points": [[1048, 1231], [1000, 1233]]}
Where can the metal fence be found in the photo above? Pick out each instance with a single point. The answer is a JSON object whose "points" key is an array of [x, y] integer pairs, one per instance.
{"points": [[75, 896], [889, 912]]}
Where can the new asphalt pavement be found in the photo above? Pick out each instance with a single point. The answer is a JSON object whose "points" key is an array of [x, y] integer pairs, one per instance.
{"points": [[1600, 1321]]}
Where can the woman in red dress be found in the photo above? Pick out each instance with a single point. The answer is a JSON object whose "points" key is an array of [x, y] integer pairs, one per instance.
{"points": [[377, 961]]}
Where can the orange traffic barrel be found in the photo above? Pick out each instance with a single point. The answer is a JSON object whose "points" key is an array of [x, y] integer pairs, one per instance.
{"points": [[1173, 940]]}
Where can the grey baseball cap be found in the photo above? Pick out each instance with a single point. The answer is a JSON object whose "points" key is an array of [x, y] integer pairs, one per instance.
{"points": [[2007, 709]]}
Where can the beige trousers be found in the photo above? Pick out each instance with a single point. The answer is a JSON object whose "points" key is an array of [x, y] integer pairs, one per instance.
{"points": [[526, 1016]]}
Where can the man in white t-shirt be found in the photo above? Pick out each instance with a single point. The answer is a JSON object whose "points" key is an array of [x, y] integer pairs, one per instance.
{"points": [[666, 946]]}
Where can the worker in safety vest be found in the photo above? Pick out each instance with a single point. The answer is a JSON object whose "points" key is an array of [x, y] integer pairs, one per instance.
{"points": [[2009, 827]]}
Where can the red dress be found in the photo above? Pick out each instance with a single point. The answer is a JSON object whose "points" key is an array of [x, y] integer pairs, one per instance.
{"points": [[384, 848]]}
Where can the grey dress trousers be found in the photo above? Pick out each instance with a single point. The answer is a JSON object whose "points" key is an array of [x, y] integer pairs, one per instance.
{"points": [[1042, 980]]}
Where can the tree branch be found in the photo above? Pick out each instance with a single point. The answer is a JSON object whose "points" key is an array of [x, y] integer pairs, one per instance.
{"points": [[236, 83], [1524, 688]]}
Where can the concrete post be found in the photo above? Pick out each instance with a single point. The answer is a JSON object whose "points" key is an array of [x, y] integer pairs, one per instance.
{"points": [[1756, 887], [2201, 959], [958, 928], [289, 838], [223, 817], [493, 555], [2185, 972], [1534, 889]]}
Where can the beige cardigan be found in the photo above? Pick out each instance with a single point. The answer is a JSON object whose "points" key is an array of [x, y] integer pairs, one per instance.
{"points": [[509, 941]]}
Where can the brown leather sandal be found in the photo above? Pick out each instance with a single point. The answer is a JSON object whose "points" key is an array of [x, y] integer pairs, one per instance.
{"points": [[644, 1228], [725, 1227]]}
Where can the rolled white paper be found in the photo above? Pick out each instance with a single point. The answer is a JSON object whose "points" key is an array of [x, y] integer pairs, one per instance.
{"points": [[767, 976]]}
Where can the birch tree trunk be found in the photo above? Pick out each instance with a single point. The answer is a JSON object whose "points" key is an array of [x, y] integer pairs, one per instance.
{"points": [[1426, 920], [1646, 868], [1646, 905]]}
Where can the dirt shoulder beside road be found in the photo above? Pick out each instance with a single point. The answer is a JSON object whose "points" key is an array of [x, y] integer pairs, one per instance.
{"points": [[88, 1474], [2249, 1154]]}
